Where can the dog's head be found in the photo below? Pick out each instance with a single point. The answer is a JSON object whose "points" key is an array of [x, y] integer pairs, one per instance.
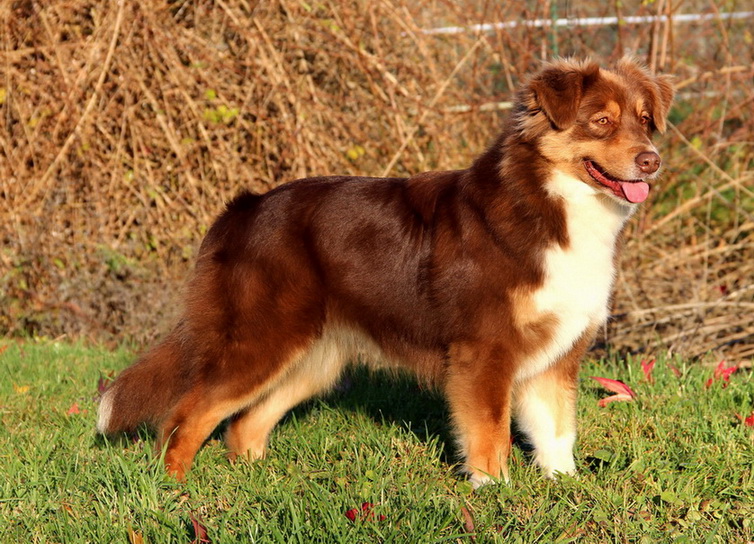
{"points": [[597, 124]]}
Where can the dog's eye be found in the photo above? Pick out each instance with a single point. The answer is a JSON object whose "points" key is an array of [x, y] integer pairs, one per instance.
{"points": [[645, 119], [602, 121]]}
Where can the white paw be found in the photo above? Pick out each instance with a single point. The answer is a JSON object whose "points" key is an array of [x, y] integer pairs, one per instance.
{"points": [[556, 455], [553, 465], [480, 480]]}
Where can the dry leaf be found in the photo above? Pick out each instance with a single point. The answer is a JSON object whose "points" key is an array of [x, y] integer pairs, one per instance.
{"points": [[622, 392]]}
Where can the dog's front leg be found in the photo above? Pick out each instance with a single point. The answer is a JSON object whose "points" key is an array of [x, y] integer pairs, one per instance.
{"points": [[478, 389], [545, 411]]}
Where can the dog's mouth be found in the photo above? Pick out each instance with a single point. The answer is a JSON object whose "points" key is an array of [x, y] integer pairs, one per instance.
{"points": [[632, 190]]}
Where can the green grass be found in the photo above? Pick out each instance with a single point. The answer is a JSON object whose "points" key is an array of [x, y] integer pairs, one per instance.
{"points": [[674, 465]]}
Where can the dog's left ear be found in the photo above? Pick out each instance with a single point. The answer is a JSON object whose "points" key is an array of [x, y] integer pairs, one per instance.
{"points": [[558, 89], [662, 100]]}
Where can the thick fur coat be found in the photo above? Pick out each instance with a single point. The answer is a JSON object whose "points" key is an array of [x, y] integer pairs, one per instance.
{"points": [[489, 282]]}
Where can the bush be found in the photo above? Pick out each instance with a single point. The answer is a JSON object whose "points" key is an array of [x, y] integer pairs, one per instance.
{"points": [[127, 125]]}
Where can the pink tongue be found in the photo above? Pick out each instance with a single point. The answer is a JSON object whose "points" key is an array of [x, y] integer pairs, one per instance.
{"points": [[635, 191]]}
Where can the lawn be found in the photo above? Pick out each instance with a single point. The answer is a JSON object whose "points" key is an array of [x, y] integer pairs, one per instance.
{"points": [[374, 462]]}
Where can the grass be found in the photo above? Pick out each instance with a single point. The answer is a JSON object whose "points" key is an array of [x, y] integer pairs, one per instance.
{"points": [[673, 465]]}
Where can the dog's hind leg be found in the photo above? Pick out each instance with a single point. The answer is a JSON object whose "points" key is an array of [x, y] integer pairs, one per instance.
{"points": [[228, 383], [314, 372], [191, 421]]}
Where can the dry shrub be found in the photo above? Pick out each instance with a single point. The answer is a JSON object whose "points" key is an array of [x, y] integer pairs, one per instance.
{"points": [[127, 125]]}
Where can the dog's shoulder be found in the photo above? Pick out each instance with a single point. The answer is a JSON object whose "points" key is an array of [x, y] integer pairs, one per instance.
{"points": [[425, 191]]}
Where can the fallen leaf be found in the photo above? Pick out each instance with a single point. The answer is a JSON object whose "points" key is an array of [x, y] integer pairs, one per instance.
{"points": [[352, 513], [724, 372], [364, 513], [613, 398], [134, 537], [366, 510], [468, 522], [622, 392], [200, 531], [74, 409], [749, 421], [21, 389], [647, 367], [674, 370], [721, 373]]}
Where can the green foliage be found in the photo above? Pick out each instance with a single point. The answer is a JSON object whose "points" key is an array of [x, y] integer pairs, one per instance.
{"points": [[117, 263], [673, 465], [221, 114]]}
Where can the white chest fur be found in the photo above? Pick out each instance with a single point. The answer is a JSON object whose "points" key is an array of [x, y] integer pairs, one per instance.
{"points": [[578, 278]]}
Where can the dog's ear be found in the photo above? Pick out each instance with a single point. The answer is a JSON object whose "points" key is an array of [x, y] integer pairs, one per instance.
{"points": [[658, 90], [662, 99], [558, 89]]}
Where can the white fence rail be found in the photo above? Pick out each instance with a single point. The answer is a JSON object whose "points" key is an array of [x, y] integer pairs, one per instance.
{"points": [[591, 21]]}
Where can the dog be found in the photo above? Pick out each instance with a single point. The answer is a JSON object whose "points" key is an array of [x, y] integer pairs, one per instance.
{"points": [[489, 283]]}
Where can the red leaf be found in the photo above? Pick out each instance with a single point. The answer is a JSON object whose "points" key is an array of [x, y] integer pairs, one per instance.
{"points": [[724, 372], [74, 409], [674, 370], [364, 513], [621, 390], [468, 522], [721, 373], [200, 531], [613, 398], [749, 421], [616, 386], [647, 367]]}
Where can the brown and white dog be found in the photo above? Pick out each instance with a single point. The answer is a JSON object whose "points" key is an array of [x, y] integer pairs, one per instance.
{"points": [[488, 282]]}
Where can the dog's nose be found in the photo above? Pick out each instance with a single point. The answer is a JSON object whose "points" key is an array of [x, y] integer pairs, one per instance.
{"points": [[648, 162]]}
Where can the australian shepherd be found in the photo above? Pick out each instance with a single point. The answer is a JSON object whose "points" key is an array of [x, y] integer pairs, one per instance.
{"points": [[489, 282]]}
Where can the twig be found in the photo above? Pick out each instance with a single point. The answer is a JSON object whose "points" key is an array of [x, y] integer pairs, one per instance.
{"points": [[431, 105], [671, 308], [716, 191], [32, 192]]}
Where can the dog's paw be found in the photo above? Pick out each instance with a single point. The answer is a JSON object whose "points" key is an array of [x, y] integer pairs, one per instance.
{"points": [[480, 479], [555, 456], [564, 465]]}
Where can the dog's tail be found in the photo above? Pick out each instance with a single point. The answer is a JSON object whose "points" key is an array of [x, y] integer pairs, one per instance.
{"points": [[147, 390]]}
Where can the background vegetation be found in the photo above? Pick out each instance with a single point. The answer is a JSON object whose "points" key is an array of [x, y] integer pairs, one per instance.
{"points": [[125, 126]]}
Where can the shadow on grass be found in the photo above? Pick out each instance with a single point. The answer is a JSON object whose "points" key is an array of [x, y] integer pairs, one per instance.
{"points": [[398, 399], [390, 398]]}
